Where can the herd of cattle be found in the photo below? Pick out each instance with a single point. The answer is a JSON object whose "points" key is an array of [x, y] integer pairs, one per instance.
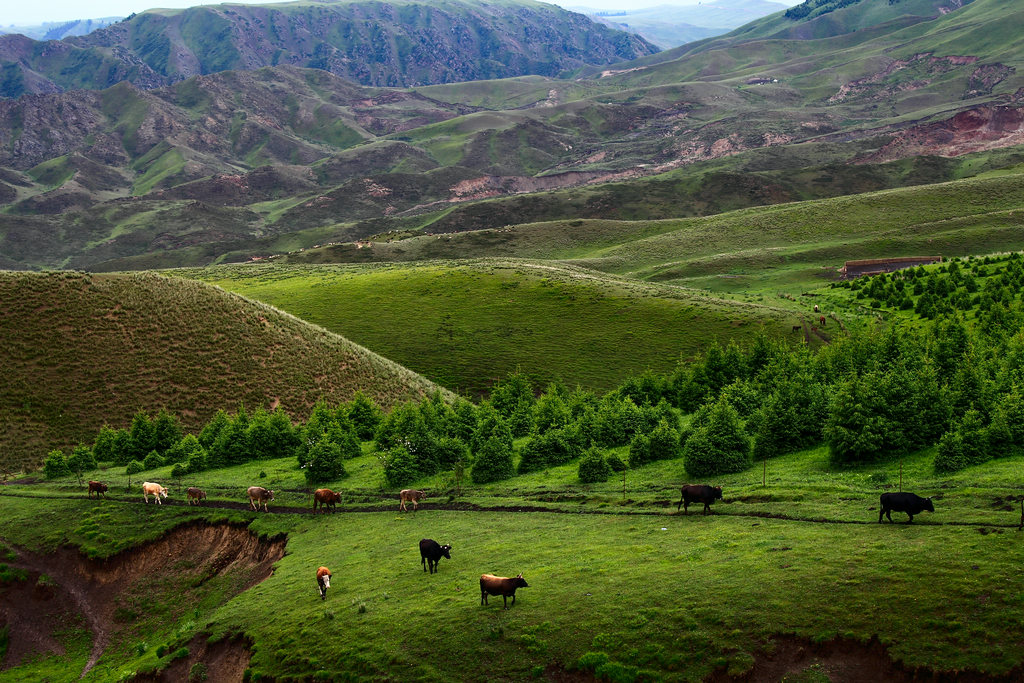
{"points": [[431, 551]]}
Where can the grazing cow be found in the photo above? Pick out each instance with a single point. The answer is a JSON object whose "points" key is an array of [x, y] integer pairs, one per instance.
{"points": [[323, 581], [500, 585], [821, 321], [155, 489], [259, 496], [411, 496], [700, 493], [324, 498], [99, 487], [798, 328], [816, 310], [195, 494], [911, 503], [431, 553]]}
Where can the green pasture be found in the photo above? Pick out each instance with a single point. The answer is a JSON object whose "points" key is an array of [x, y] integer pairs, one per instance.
{"points": [[674, 596], [465, 325]]}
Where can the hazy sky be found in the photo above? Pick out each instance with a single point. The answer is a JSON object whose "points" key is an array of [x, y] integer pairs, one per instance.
{"points": [[31, 13]]}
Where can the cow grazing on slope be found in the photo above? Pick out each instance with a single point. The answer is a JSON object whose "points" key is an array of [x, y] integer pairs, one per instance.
{"points": [[911, 503], [99, 487], [323, 581], [324, 498], [411, 496], [260, 496], [500, 585], [194, 494], [700, 493], [431, 553], [156, 490]]}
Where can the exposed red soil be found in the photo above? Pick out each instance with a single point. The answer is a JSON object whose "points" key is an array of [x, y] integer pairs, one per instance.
{"points": [[225, 661], [846, 660], [91, 589]]}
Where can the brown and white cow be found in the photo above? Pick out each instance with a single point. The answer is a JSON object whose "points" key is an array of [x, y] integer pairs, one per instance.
{"points": [[325, 498], [323, 581], [260, 496], [99, 487], [411, 496], [156, 490], [500, 585], [195, 494]]}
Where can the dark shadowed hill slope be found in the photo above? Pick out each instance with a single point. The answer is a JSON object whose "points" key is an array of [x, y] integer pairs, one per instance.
{"points": [[371, 42], [79, 351]]}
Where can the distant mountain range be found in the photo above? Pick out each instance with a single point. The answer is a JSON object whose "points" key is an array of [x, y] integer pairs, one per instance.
{"points": [[669, 26], [851, 97], [368, 41], [56, 30]]}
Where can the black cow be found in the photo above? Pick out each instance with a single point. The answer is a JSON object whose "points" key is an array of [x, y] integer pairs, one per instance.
{"points": [[700, 493], [431, 553], [501, 585], [911, 503]]}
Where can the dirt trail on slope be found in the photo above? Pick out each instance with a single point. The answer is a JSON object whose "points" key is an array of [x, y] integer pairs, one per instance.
{"points": [[91, 590]]}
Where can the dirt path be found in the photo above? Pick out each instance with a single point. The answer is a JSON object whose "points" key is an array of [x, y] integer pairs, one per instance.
{"points": [[474, 507]]}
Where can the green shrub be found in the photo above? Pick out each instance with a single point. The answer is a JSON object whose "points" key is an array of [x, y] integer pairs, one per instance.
{"points": [[399, 467], [55, 465], [197, 673], [325, 463], [153, 460], [965, 445], [594, 467], [615, 462], [81, 459], [493, 462], [718, 447], [134, 467]]}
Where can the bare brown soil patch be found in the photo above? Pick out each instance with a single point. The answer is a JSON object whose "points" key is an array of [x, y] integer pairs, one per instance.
{"points": [[224, 661], [108, 594], [846, 660]]}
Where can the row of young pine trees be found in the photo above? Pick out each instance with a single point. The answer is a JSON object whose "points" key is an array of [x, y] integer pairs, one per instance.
{"points": [[869, 397]]}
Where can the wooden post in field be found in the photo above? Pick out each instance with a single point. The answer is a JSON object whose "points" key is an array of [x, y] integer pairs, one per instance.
{"points": [[764, 474]]}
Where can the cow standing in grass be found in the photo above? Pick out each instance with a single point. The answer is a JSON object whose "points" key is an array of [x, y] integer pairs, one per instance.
{"points": [[323, 581], [98, 487], [194, 494], [410, 496], [699, 493], [156, 490], [325, 498], [911, 503], [500, 585], [431, 553], [260, 496]]}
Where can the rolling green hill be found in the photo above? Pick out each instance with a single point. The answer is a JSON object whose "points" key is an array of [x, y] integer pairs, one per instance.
{"points": [[466, 325], [83, 350]]}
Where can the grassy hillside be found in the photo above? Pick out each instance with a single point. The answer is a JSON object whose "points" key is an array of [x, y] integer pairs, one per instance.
{"points": [[466, 325], [80, 351], [735, 575]]}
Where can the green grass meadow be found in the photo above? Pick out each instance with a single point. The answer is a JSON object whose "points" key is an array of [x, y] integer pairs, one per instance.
{"points": [[673, 596]]}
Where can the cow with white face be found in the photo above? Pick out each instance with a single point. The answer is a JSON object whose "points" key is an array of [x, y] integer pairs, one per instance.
{"points": [[156, 490], [323, 581]]}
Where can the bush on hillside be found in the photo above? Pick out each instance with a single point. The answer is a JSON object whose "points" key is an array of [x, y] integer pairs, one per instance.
{"points": [[399, 467], [325, 463], [615, 462], [718, 447], [153, 460], [134, 467], [365, 415], [965, 445], [594, 467], [493, 462], [550, 449], [81, 460], [55, 465]]}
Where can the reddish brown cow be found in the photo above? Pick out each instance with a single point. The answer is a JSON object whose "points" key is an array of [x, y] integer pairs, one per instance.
{"points": [[821, 321], [500, 585], [259, 496], [99, 487], [192, 493], [323, 581], [325, 498], [411, 496]]}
